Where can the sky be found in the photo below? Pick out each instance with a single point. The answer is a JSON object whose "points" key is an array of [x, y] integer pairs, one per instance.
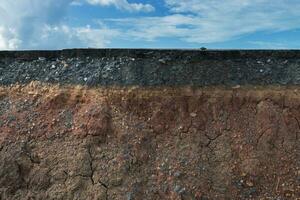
{"points": [[214, 24]]}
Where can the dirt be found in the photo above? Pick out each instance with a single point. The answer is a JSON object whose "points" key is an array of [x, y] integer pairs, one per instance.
{"points": [[106, 143]]}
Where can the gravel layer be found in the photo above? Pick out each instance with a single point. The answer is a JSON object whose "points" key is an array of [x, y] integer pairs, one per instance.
{"points": [[102, 67]]}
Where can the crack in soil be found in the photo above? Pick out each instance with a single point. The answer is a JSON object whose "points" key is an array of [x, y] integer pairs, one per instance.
{"points": [[298, 127], [91, 160], [106, 188], [262, 134], [27, 151], [91, 176], [21, 175], [211, 139]]}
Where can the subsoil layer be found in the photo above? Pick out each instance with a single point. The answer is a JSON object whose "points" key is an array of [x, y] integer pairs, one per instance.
{"points": [[106, 143]]}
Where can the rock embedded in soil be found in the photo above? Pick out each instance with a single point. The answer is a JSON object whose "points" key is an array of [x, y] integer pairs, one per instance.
{"points": [[149, 124]]}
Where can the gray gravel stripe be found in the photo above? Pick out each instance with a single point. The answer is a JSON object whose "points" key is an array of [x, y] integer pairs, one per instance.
{"points": [[151, 67]]}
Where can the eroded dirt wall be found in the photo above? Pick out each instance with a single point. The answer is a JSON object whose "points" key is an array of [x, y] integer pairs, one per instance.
{"points": [[79, 142]]}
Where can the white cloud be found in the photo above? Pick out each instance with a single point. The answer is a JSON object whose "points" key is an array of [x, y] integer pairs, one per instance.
{"points": [[8, 39], [268, 45], [76, 3], [22, 20], [210, 21], [124, 5], [151, 28], [36, 24], [80, 37]]}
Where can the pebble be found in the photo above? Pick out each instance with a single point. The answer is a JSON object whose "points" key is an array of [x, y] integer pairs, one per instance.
{"points": [[236, 87], [129, 196], [66, 65], [41, 58], [177, 174], [162, 61], [178, 189], [193, 114], [249, 184]]}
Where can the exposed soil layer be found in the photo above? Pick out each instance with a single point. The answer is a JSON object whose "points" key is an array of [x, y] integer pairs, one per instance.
{"points": [[77, 142]]}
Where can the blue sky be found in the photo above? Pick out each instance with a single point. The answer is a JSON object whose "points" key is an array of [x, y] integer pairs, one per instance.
{"points": [[215, 24]]}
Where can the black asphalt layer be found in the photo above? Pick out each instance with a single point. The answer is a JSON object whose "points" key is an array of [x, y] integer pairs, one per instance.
{"points": [[151, 67]]}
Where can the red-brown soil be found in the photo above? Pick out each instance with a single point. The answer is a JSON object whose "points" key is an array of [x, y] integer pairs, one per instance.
{"points": [[74, 142]]}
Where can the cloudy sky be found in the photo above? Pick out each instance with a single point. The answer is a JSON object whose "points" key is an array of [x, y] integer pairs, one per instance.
{"points": [[58, 24]]}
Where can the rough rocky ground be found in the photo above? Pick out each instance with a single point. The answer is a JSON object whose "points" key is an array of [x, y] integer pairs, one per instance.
{"points": [[106, 67], [78, 142]]}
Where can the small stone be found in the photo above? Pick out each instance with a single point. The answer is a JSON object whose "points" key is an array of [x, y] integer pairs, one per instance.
{"points": [[162, 61], [182, 191], [236, 87], [85, 79], [193, 114], [178, 189], [177, 174], [288, 193], [249, 184], [116, 181], [129, 196]]}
